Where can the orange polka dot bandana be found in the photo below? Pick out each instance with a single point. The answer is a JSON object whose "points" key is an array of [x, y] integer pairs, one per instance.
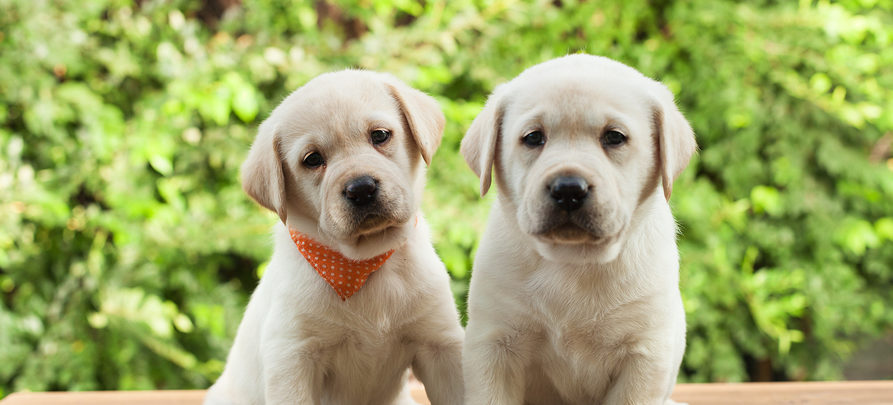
{"points": [[345, 275]]}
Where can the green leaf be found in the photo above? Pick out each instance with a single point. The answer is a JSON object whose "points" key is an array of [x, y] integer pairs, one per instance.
{"points": [[884, 228], [766, 199], [245, 103], [856, 236], [161, 164]]}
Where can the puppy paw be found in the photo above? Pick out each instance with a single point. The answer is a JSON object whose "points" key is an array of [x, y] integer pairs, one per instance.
{"points": [[671, 402]]}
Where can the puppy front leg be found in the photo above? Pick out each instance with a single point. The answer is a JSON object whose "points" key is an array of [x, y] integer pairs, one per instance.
{"points": [[439, 367], [494, 367], [641, 381], [438, 358], [292, 374]]}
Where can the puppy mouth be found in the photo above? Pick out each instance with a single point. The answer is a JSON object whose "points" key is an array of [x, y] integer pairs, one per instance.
{"points": [[374, 224], [570, 233], [571, 229]]}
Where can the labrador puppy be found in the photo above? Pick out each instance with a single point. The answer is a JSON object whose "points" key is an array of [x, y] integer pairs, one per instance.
{"points": [[574, 297], [354, 294]]}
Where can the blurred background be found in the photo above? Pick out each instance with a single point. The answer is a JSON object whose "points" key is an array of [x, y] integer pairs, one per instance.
{"points": [[128, 250]]}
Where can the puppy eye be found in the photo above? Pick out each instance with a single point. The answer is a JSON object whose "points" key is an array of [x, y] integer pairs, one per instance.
{"points": [[613, 138], [380, 136], [534, 139], [314, 160]]}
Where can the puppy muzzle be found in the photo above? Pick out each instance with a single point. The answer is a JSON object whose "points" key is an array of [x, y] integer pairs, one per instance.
{"points": [[361, 191], [371, 206], [569, 210]]}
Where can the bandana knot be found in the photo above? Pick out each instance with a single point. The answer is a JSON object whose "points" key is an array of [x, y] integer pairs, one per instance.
{"points": [[345, 275]]}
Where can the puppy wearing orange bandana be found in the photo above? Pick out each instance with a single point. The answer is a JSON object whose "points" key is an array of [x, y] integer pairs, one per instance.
{"points": [[354, 295]]}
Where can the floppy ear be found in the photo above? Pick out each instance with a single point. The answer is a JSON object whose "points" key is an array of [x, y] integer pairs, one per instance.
{"points": [[479, 144], [423, 114], [262, 176], [675, 138]]}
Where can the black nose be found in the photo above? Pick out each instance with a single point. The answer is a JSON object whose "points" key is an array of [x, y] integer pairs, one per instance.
{"points": [[361, 190], [568, 192]]}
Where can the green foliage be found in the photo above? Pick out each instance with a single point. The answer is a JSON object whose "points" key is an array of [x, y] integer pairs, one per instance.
{"points": [[128, 249]]}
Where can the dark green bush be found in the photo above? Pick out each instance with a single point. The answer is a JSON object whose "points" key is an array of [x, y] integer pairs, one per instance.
{"points": [[128, 250]]}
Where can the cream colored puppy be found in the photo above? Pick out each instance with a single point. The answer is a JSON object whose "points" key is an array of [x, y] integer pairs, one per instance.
{"points": [[342, 161], [574, 297]]}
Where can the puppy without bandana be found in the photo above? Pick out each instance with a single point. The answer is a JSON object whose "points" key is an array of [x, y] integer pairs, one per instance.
{"points": [[574, 297], [354, 294]]}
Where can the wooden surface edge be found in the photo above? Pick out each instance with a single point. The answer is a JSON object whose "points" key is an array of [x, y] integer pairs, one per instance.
{"points": [[817, 393], [166, 397]]}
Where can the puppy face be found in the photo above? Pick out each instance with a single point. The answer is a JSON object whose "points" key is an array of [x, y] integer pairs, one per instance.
{"points": [[342, 159], [579, 143]]}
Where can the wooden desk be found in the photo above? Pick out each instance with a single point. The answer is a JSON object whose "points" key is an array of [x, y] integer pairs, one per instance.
{"points": [[813, 393], [810, 393]]}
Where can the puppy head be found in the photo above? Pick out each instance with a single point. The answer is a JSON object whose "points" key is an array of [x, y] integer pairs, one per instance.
{"points": [[342, 159], [579, 143]]}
